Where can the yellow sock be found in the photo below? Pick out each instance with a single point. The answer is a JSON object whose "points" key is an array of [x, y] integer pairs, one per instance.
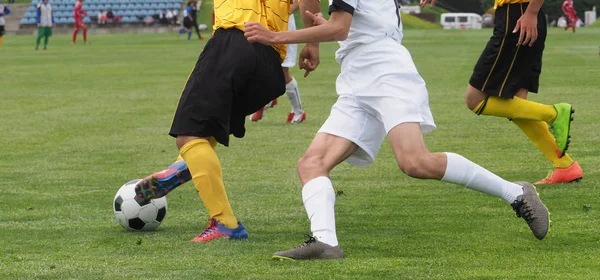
{"points": [[516, 108], [538, 133], [1, 41], [207, 175], [213, 143]]}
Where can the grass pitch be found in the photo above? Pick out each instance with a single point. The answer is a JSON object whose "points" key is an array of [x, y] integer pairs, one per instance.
{"points": [[79, 121]]}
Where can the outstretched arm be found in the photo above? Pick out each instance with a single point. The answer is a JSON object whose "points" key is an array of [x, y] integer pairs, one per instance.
{"points": [[335, 29]]}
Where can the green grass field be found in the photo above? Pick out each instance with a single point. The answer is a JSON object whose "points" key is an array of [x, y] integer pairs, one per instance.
{"points": [[79, 121]]}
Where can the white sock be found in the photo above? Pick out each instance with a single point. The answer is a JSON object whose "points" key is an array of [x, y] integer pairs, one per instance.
{"points": [[319, 198], [293, 93], [464, 172]]}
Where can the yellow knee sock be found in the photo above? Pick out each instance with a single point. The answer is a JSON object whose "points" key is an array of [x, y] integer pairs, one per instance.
{"points": [[516, 108], [538, 133], [1, 41], [207, 175], [213, 143]]}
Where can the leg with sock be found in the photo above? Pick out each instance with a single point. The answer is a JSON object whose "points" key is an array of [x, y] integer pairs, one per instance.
{"points": [[318, 195], [38, 40], [85, 35], [206, 172], [75, 35], [558, 116], [1, 40], [292, 91], [416, 161], [46, 38], [565, 169]]}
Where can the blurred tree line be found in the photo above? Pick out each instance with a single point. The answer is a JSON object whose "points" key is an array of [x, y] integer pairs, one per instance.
{"points": [[551, 7]]}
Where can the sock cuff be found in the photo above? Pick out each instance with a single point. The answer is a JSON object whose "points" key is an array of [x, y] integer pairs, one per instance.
{"points": [[190, 144], [292, 82], [450, 175], [315, 186], [481, 106]]}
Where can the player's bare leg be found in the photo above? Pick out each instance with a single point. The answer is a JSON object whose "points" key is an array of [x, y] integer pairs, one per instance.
{"points": [[415, 160], [324, 153]]}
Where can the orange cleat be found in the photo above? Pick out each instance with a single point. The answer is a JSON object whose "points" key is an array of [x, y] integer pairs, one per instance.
{"points": [[570, 174]]}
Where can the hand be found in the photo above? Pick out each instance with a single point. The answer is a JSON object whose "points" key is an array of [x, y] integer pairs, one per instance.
{"points": [[527, 24], [424, 2], [317, 18], [256, 33], [309, 58]]}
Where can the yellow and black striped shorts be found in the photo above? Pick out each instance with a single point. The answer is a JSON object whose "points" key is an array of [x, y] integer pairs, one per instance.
{"points": [[503, 68]]}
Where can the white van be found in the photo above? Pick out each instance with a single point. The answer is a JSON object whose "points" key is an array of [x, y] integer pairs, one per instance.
{"points": [[461, 21]]}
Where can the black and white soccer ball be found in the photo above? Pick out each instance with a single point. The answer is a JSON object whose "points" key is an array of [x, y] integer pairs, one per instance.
{"points": [[134, 215]]}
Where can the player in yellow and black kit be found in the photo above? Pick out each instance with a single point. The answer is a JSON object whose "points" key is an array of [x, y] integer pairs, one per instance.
{"points": [[507, 70], [232, 79]]}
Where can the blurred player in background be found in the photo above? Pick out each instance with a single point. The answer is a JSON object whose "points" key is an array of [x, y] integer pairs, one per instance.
{"points": [[569, 11], [232, 79], [188, 21], [45, 23], [78, 14], [507, 70], [4, 10], [194, 15], [297, 115]]}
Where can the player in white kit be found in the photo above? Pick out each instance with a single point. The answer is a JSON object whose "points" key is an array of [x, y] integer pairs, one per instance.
{"points": [[380, 93], [297, 115]]}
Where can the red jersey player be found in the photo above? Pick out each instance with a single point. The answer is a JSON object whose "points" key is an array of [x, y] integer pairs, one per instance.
{"points": [[567, 8], [78, 14]]}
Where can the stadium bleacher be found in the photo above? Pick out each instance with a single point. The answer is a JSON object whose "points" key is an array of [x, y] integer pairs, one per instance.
{"points": [[131, 11]]}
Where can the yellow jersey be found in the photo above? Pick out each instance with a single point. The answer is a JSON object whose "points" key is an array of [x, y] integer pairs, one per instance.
{"points": [[272, 14], [499, 3]]}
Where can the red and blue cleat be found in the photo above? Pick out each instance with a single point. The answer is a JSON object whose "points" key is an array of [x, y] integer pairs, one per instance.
{"points": [[161, 183], [216, 230]]}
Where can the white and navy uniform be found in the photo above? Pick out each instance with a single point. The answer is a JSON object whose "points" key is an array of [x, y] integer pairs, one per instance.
{"points": [[379, 86], [292, 49]]}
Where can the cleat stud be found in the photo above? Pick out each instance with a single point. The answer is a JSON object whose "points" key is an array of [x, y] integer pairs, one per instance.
{"points": [[178, 174], [572, 118], [159, 196], [166, 191], [182, 182], [145, 183], [137, 188], [153, 188]]}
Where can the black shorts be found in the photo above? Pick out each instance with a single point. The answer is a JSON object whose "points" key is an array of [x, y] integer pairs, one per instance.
{"points": [[1, 30], [503, 68], [232, 79], [188, 23]]}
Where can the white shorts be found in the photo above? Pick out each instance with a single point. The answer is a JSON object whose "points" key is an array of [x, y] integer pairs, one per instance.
{"points": [[292, 49], [379, 88]]}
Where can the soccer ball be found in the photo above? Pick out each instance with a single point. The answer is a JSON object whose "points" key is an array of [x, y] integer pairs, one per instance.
{"points": [[202, 27], [135, 216]]}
